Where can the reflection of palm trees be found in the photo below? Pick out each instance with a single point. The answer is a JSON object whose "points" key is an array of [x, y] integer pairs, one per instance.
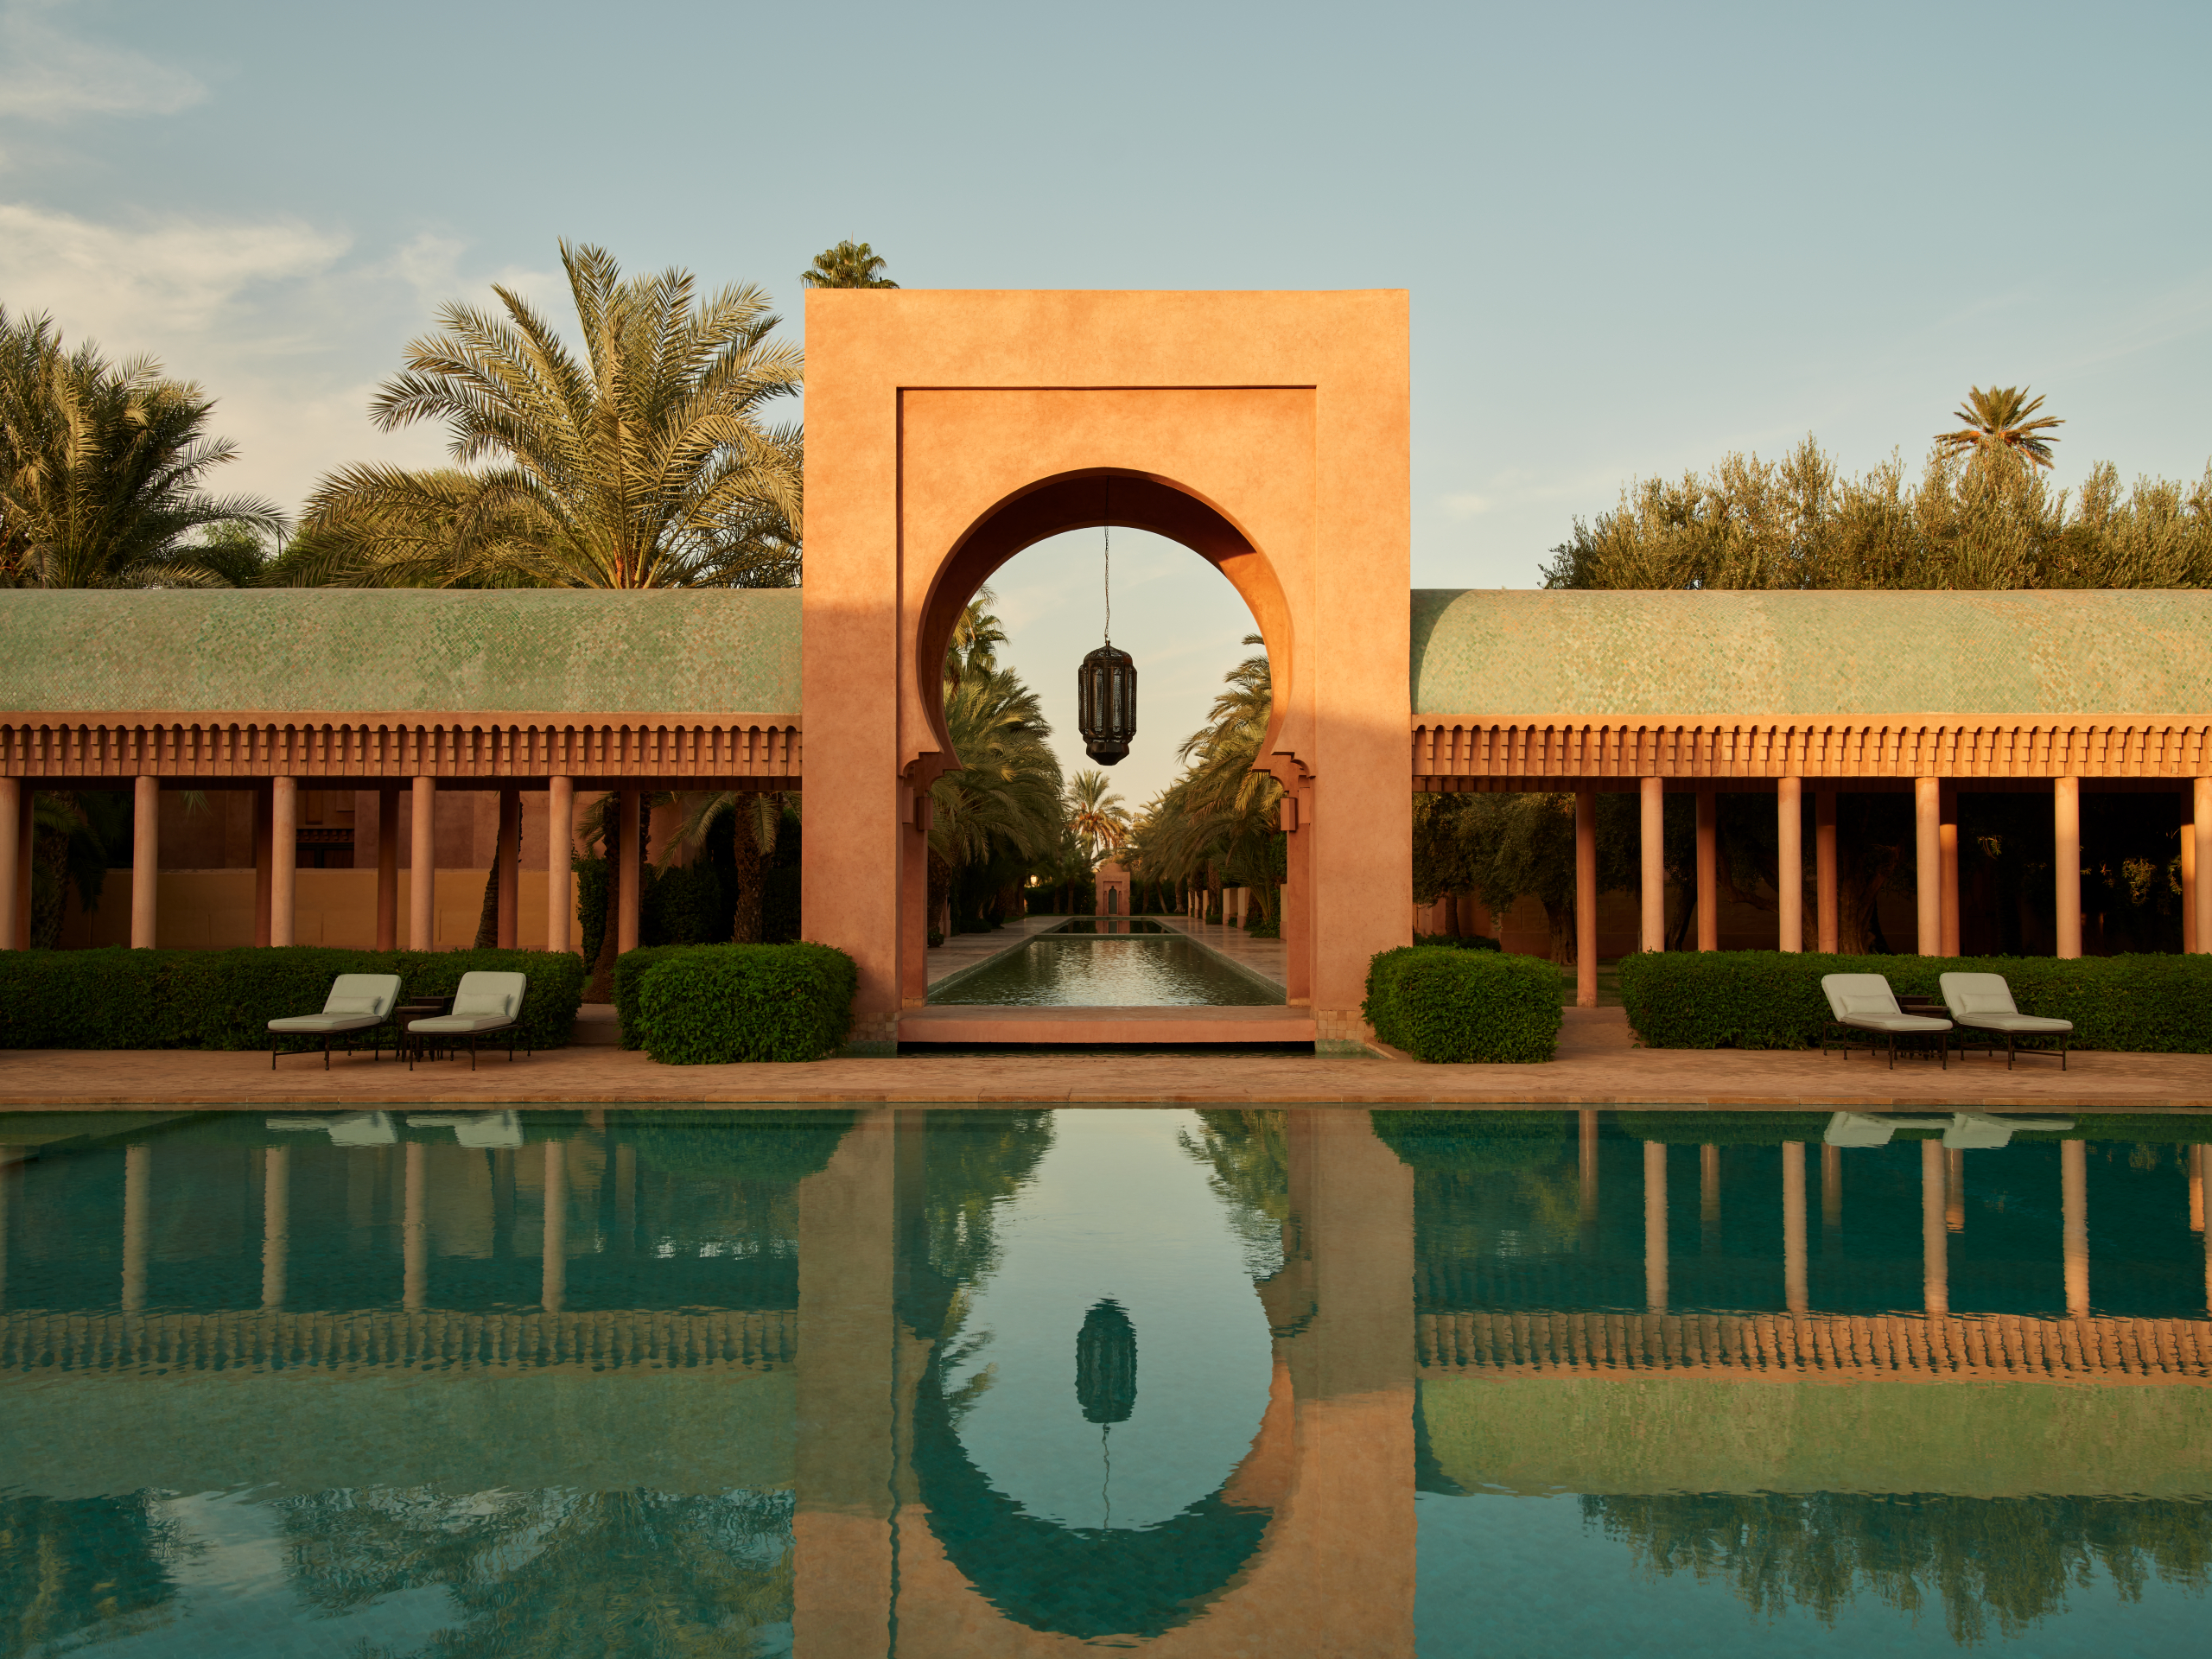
{"points": [[68, 1565]]}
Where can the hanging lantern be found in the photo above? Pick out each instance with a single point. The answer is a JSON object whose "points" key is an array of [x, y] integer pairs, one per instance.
{"points": [[1106, 685]]}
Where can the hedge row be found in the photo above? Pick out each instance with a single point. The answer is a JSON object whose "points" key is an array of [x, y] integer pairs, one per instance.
{"points": [[120, 998], [1765, 999], [1443, 1004], [717, 1004]]}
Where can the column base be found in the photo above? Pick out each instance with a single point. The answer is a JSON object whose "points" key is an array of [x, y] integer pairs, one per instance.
{"points": [[1341, 1031]]}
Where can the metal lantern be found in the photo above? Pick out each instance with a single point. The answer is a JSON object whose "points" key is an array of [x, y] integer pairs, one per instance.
{"points": [[1106, 685], [1106, 703]]}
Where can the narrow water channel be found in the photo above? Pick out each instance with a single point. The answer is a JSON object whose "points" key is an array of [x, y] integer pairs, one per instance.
{"points": [[1109, 962]]}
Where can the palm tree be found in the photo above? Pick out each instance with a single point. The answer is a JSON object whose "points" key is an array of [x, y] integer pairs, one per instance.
{"points": [[643, 464], [101, 466], [1097, 817], [758, 819], [1997, 423], [849, 264]]}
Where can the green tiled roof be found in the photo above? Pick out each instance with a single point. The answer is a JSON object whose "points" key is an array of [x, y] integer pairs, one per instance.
{"points": [[693, 651], [1610, 654]]}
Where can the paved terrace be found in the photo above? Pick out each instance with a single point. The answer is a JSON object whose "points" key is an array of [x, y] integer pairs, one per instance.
{"points": [[1598, 1065]]}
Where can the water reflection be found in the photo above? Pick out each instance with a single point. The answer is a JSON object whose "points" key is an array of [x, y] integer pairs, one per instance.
{"points": [[930, 1382]]}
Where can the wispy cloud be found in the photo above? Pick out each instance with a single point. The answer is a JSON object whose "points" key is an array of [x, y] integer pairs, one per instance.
{"points": [[49, 74]]}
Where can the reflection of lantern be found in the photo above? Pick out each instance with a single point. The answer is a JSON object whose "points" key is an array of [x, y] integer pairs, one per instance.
{"points": [[1106, 1364], [1106, 703]]}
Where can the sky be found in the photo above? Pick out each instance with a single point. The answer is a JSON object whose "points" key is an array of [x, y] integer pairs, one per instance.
{"points": [[1635, 238]]}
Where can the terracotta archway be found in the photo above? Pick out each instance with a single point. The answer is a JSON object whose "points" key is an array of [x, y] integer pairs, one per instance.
{"points": [[947, 431]]}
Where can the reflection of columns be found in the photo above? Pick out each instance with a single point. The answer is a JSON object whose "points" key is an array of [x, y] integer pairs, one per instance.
{"points": [[1585, 898], [1587, 1147], [415, 1233], [2197, 1189], [1708, 1200], [1947, 857], [630, 847], [2074, 1206], [1793, 1224], [388, 867], [560, 832], [1927, 879], [284, 859], [265, 869], [1651, 890], [510, 858], [1829, 922], [2199, 831], [1954, 1190], [1655, 1225], [137, 1192], [554, 1288], [1790, 860], [1708, 870], [12, 795], [1934, 1241], [625, 1194], [145, 861], [275, 1224], [1831, 1198], [422, 866], [2066, 834]]}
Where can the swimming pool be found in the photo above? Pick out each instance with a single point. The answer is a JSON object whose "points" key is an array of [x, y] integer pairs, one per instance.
{"points": [[1108, 962], [921, 1382]]}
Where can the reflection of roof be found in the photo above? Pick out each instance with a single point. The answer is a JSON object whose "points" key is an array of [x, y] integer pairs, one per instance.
{"points": [[1610, 654], [300, 649]]}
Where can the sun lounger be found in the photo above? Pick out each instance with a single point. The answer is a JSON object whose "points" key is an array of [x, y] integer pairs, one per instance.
{"points": [[1865, 1002], [344, 1128], [1963, 1131], [1984, 1001], [495, 1131], [356, 1002], [482, 1004]]}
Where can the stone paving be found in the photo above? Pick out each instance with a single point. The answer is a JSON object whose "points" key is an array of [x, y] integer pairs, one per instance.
{"points": [[1598, 1065]]}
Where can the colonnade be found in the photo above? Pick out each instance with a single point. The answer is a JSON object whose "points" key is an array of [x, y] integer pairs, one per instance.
{"points": [[1936, 843], [276, 854]]}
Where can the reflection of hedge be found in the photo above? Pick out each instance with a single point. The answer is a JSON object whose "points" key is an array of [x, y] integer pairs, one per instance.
{"points": [[734, 1146], [1460, 1005], [119, 998], [1472, 1140], [1767, 999], [716, 1004]]}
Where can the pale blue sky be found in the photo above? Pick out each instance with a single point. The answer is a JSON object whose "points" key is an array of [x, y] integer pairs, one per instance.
{"points": [[1635, 237]]}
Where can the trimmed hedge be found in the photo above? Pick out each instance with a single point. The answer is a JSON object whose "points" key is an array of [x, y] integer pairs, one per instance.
{"points": [[120, 998], [716, 1004], [1454, 1005], [1457, 941], [629, 974], [1765, 999]]}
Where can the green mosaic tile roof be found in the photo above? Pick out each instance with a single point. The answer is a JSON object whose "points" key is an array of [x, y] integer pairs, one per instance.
{"points": [[1611, 654], [300, 649]]}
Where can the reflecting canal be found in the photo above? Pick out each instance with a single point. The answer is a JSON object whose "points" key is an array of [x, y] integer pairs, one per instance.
{"points": [[932, 1383], [1109, 962]]}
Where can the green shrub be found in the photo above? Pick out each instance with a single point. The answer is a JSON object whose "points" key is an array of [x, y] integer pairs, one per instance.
{"points": [[119, 998], [1765, 999], [1458, 1005], [1457, 941], [716, 1004], [629, 974]]}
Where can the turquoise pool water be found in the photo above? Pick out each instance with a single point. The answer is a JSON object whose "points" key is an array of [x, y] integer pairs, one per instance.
{"points": [[927, 1381], [1110, 963]]}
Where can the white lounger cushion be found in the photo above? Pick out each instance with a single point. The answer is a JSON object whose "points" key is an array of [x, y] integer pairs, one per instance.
{"points": [[1866, 1002], [2016, 1023], [482, 1001], [462, 1023], [327, 1023], [356, 1002], [1899, 1022], [1985, 1001]]}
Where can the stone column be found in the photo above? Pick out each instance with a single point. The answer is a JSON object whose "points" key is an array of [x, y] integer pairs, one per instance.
{"points": [[137, 1199], [284, 857], [631, 847], [388, 867], [1586, 1148], [1708, 1200], [423, 867], [510, 857], [1947, 857], [2066, 833], [1789, 860], [276, 1224], [1934, 1240], [1829, 919], [1655, 1225], [554, 1271], [1926, 877], [13, 794], [560, 838], [26, 839], [1585, 898], [1708, 870], [1793, 1226], [2201, 833], [145, 861], [415, 1233], [1831, 1198], [1652, 844], [264, 867], [2073, 1206]]}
